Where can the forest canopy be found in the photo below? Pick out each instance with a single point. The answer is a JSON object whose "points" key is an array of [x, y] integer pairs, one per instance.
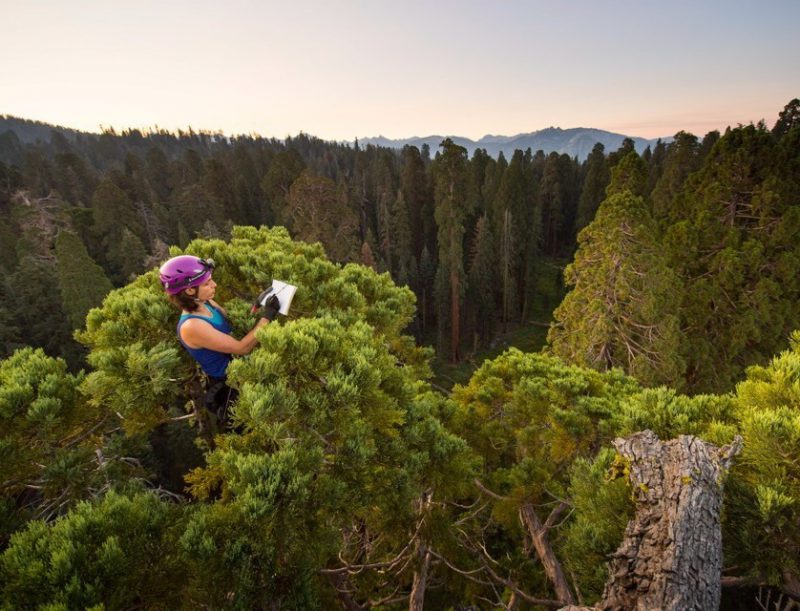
{"points": [[351, 477]]}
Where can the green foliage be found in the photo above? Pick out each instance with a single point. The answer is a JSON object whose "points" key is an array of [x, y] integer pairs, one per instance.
{"points": [[594, 186], [602, 509], [669, 414], [36, 304], [762, 531], [337, 428], [622, 311], [117, 553], [82, 282], [319, 211], [529, 416], [338, 438], [735, 247], [48, 440], [450, 176]]}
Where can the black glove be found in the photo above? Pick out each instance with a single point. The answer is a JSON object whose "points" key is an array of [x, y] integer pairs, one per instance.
{"points": [[271, 308]]}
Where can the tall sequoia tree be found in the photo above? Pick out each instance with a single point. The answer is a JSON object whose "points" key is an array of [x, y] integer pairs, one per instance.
{"points": [[450, 175], [735, 246], [622, 310], [682, 159], [594, 186], [337, 441], [320, 212]]}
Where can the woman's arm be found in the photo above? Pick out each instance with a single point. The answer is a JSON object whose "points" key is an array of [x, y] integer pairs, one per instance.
{"points": [[197, 333]]}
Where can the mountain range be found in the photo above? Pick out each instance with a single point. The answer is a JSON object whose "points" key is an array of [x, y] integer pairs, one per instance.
{"points": [[575, 142]]}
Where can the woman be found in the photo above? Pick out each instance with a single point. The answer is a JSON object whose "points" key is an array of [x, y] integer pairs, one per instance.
{"points": [[203, 328]]}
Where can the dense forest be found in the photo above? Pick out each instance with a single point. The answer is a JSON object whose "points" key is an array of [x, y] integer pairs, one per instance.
{"points": [[353, 481]]}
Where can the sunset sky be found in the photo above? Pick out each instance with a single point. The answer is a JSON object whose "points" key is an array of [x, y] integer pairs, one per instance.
{"points": [[346, 69]]}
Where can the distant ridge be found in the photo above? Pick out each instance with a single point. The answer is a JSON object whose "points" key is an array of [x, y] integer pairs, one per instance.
{"points": [[575, 142]]}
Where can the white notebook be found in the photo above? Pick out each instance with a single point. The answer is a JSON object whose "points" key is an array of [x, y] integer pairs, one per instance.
{"points": [[284, 292]]}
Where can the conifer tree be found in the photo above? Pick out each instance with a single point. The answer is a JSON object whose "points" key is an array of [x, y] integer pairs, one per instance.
{"points": [[682, 158], [112, 211], [118, 553], [733, 248], [52, 445], [128, 254], [788, 119], [320, 212], [35, 301], [427, 273], [158, 173], [594, 186], [418, 197], [481, 279], [528, 417], [622, 310], [629, 174], [403, 238], [332, 412], [451, 209], [762, 533], [518, 228], [283, 170], [655, 165], [194, 207], [82, 282]]}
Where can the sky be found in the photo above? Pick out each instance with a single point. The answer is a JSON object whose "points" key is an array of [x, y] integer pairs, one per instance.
{"points": [[346, 69]]}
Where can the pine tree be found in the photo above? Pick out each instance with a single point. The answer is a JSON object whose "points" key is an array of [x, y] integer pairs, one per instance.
{"points": [[403, 238], [417, 194], [112, 211], [284, 169], [128, 254], [35, 303], [518, 229]]}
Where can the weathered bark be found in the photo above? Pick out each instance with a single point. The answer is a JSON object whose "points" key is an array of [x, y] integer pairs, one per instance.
{"points": [[416, 601], [671, 556], [551, 565], [343, 590]]}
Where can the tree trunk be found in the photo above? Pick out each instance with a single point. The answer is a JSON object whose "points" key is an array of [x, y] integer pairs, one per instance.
{"points": [[552, 567], [671, 556], [416, 601]]}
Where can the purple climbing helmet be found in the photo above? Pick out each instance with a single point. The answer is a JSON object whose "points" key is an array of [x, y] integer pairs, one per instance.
{"points": [[185, 271]]}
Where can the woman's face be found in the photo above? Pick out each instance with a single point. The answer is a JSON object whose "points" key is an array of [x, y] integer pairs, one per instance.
{"points": [[206, 290]]}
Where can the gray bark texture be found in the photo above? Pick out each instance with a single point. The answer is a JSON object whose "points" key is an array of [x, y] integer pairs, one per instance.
{"points": [[671, 556]]}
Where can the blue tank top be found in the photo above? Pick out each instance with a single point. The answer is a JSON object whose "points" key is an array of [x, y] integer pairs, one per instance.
{"points": [[212, 362]]}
